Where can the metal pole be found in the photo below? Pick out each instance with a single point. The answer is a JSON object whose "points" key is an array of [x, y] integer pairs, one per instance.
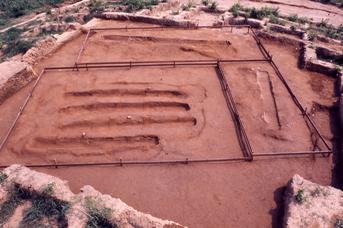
{"points": [[21, 110]]}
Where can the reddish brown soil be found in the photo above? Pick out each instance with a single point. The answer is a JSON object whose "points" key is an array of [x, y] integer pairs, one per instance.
{"points": [[68, 104]]}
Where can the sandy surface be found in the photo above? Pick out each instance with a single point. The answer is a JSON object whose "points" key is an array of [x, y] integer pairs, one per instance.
{"points": [[206, 195]]}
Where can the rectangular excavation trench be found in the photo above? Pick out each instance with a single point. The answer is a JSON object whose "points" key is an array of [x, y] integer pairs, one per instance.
{"points": [[168, 44], [149, 113]]}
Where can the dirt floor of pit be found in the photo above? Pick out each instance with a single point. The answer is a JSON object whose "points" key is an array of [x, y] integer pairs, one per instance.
{"points": [[208, 195]]}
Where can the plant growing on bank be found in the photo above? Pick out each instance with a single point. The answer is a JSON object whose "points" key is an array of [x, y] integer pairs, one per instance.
{"points": [[235, 9], [275, 20], [98, 216], [293, 17], [300, 196], [45, 206], [263, 12], [213, 6], [205, 2], [312, 35], [188, 6], [3, 177], [134, 5]]}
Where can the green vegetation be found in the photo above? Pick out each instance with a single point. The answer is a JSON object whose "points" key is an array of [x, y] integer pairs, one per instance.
{"points": [[213, 6], [134, 5], [12, 44], [275, 20], [3, 177], [188, 6], [300, 197], [205, 2], [235, 9], [329, 30], [95, 7], [312, 35], [98, 216], [15, 198], [263, 12], [45, 206], [17, 8]]}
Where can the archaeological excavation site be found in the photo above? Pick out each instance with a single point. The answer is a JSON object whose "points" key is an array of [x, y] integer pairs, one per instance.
{"points": [[171, 114]]}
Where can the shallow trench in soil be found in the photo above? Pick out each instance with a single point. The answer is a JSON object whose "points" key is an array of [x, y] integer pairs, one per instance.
{"points": [[162, 113]]}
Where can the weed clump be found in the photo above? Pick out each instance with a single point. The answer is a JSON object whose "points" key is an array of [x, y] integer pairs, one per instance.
{"points": [[3, 177], [16, 197], [98, 216], [235, 9], [263, 12], [300, 196], [45, 206]]}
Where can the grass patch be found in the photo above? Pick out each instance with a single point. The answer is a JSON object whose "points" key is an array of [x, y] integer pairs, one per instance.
{"points": [[329, 30], [3, 177], [205, 2], [235, 9], [312, 35], [213, 5], [188, 6], [15, 198], [98, 216], [263, 12], [44, 206], [300, 196], [135, 5], [275, 20]]}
